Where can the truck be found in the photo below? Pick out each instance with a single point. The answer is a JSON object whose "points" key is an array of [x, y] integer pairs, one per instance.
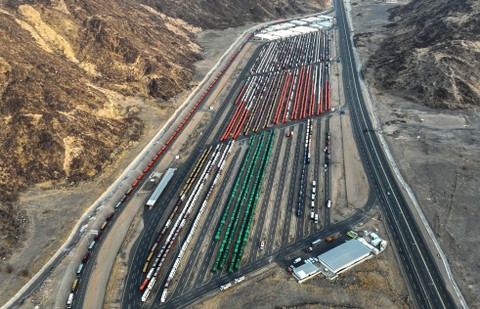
{"points": [[74, 285], [312, 215], [110, 216], [313, 244], [70, 300], [85, 257], [329, 239], [79, 270], [225, 286], [316, 218], [239, 279], [298, 259], [329, 203]]}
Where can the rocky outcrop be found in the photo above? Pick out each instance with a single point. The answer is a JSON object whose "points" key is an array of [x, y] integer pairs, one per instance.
{"points": [[431, 53], [59, 59]]}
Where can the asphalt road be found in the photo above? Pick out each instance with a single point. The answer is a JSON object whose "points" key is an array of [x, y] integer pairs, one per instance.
{"points": [[425, 282], [185, 299], [293, 168], [422, 274]]}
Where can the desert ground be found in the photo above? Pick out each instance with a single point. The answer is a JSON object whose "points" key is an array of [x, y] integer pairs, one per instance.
{"points": [[436, 151]]}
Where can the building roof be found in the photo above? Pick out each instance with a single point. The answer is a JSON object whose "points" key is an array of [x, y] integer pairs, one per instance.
{"points": [[344, 255], [160, 187], [305, 271]]}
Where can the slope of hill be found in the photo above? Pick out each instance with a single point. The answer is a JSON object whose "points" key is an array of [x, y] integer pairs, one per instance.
{"points": [[431, 53], [60, 58]]}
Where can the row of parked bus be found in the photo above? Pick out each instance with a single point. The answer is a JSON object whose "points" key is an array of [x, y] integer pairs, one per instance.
{"points": [[306, 161], [221, 163], [147, 284], [151, 278], [243, 199], [137, 181]]}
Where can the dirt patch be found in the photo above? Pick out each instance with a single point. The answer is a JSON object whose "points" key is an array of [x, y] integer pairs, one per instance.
{"points": [[357, 188], [45, 209]]}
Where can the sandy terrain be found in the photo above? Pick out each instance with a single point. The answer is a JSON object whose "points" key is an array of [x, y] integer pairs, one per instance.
{"points": [[374, 279], [437, 153], [46, 209], [42, 235], [350, 187], [213, 50]]}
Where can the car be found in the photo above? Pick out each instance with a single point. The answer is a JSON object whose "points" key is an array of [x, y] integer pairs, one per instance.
{"points": [[388, 193], [352, 234]]}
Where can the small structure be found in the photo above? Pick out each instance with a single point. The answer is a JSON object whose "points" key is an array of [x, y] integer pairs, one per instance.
{"points": [[160, 187], [305, 272]]}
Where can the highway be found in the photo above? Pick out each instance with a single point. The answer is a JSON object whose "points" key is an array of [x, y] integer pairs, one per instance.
{"points": [[287, 232], [420, 271], [286, 229]]}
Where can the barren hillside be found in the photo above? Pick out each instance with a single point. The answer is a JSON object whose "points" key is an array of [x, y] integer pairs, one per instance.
{"points": [[60, 58], [431, 53]]}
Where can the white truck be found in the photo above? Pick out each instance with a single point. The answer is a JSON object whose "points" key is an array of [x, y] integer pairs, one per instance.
{"points": [[70, 301], [329, 203], [225, 286], [239, 279]]}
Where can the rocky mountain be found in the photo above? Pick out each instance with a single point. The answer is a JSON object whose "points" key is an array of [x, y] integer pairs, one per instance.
{"points": [[431, 53], [229, 13], [60, 58]]}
